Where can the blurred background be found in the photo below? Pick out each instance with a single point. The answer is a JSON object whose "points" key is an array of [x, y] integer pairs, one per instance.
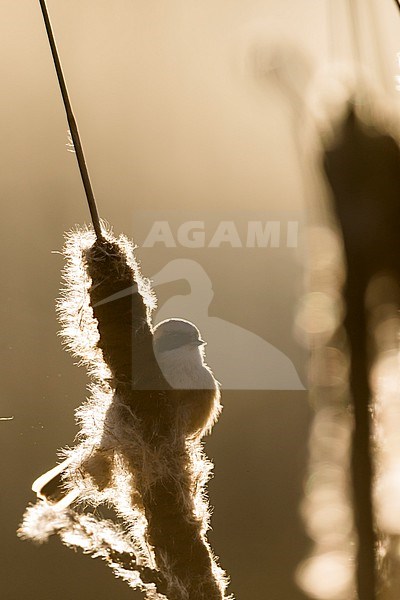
{"points": [[185, 106]]}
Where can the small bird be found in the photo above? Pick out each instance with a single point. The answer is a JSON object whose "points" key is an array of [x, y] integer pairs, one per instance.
{"points": [[179, 351]]}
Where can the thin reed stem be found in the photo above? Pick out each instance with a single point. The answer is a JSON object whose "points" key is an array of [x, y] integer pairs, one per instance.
{"points": [[361, 458], [72, 125], [354, 196]]}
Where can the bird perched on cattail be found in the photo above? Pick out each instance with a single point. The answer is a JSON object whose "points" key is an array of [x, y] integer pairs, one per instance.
{"points": [[139, 446], [179, 352], [153, 398]]}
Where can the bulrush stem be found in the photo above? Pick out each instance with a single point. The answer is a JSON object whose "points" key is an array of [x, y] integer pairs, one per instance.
{"points": [[72, 125]]}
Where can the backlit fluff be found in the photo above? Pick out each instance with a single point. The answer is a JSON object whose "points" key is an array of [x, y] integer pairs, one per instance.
{"points": [[135, 452]]}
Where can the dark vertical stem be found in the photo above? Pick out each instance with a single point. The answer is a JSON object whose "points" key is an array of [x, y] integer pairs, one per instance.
{"points": [[72, 125], [362, 172], [361, 459]]}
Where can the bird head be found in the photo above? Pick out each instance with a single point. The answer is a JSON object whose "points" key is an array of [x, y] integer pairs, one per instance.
{"points": [[174, 334]]}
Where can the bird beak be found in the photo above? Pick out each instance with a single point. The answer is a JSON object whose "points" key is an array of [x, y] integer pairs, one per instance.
{"points": [[198, 342]]}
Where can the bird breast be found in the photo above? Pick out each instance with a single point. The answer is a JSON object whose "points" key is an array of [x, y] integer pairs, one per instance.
{"points": [[184, 369]]}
